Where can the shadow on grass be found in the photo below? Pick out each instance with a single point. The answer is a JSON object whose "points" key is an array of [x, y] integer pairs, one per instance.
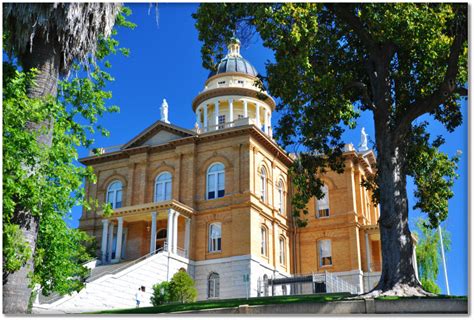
{"points": [[229, 303]]}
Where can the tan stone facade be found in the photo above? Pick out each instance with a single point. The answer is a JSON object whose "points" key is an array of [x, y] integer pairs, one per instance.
{"points": [[220, 197]]}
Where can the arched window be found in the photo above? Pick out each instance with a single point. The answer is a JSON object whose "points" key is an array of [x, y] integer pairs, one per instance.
{"points": [[163, 187], [215, 181], [322, 205], [213, 286], [114, 194], [215, 237], [282, 251], [263, 246], [263, 184], [265, 285], [325, 256], [281, 197]]}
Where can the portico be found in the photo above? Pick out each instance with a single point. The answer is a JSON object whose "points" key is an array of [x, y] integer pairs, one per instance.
{"points": [[140, 225]]}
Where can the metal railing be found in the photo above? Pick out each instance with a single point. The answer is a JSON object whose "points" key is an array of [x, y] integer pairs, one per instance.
{"points": [[334, 283], [102, 150]]}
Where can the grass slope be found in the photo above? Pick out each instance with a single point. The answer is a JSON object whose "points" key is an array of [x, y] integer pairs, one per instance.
{"points": [[228, 303]]}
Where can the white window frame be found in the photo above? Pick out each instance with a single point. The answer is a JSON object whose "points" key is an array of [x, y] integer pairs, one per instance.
{"points": [[264, 242], [215, 176], [162, 184], [112, 194], [322, 205], [213, 285], [215, 241], [263, 183], [328, 254]]}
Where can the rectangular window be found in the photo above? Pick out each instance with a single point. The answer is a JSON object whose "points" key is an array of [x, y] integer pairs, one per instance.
{"points": [[322, 205], [221, 121], [240, 81], [325, 257], [240, 116]]}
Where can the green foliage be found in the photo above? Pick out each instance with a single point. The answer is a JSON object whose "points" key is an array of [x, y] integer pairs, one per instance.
{"points": [[334, 61], [161, 293], [428, 254], [47, 181], [181, 289]]}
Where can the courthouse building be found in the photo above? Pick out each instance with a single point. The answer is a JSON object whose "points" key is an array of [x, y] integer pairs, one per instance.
{"points": [[216, 199]]}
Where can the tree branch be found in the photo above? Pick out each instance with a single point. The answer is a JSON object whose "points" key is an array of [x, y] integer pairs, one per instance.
{"points": [[345, 12], [365, 98], [445, 89]]}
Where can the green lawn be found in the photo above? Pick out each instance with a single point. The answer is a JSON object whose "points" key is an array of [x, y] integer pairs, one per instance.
{"points": [[232, 303]]}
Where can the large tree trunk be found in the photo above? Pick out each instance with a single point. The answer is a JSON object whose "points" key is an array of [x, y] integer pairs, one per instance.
{"points": [[398, 274], [45, 58]]}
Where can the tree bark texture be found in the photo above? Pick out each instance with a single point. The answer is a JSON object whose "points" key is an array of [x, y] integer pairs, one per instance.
{"points": [[45, 58], [398, 275]]}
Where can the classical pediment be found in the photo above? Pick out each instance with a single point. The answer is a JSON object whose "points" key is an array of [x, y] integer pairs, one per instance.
{"points": [[158, 133]]}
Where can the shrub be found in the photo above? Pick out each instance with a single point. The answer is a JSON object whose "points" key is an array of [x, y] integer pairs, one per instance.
{"points": [[161, 293], [182, 287]]}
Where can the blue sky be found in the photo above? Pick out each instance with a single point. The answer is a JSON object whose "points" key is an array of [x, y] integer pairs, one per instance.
{"points": [[165, 62]]}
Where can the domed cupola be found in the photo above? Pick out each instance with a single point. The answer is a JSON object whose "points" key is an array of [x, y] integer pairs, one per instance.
{"points": [[232, 97], [234, 62]]}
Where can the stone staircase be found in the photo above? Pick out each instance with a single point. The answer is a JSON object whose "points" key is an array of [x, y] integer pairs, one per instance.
{"points": [[114, 286]]}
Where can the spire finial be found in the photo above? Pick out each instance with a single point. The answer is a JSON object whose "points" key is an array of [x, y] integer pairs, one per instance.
{"points": [[233, 46]]}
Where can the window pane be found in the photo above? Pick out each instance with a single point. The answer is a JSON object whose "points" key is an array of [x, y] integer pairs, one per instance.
{"points": [[220, 193], [221, 181], [168, 190], [211, 195], [118, 201], [110, 197], [324, 202]]}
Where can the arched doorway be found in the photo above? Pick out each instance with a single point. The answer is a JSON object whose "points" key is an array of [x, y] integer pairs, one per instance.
{"points": [[160, 239]]}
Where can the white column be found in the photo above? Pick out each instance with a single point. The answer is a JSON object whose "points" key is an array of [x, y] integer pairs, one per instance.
{"points": [[187, 234], [198, 120], [258, 116], [367, 252], [216, 113], [231, 110], [105, 228], [246, 111], [110, 242], [169, 230], [175, 232], [153, 233], [118, 250], [205, 117], [270, 130]]}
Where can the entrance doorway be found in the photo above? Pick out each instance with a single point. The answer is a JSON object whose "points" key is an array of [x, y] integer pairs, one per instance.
{"points": [[160, 239]]}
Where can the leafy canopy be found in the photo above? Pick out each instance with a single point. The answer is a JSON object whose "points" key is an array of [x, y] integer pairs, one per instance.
{"points": [[334, 61], [55, 185], [181, 288]]}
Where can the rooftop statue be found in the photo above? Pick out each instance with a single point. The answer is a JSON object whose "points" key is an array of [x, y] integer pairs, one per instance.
{"points": [[363, 141], [164, 111]]}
